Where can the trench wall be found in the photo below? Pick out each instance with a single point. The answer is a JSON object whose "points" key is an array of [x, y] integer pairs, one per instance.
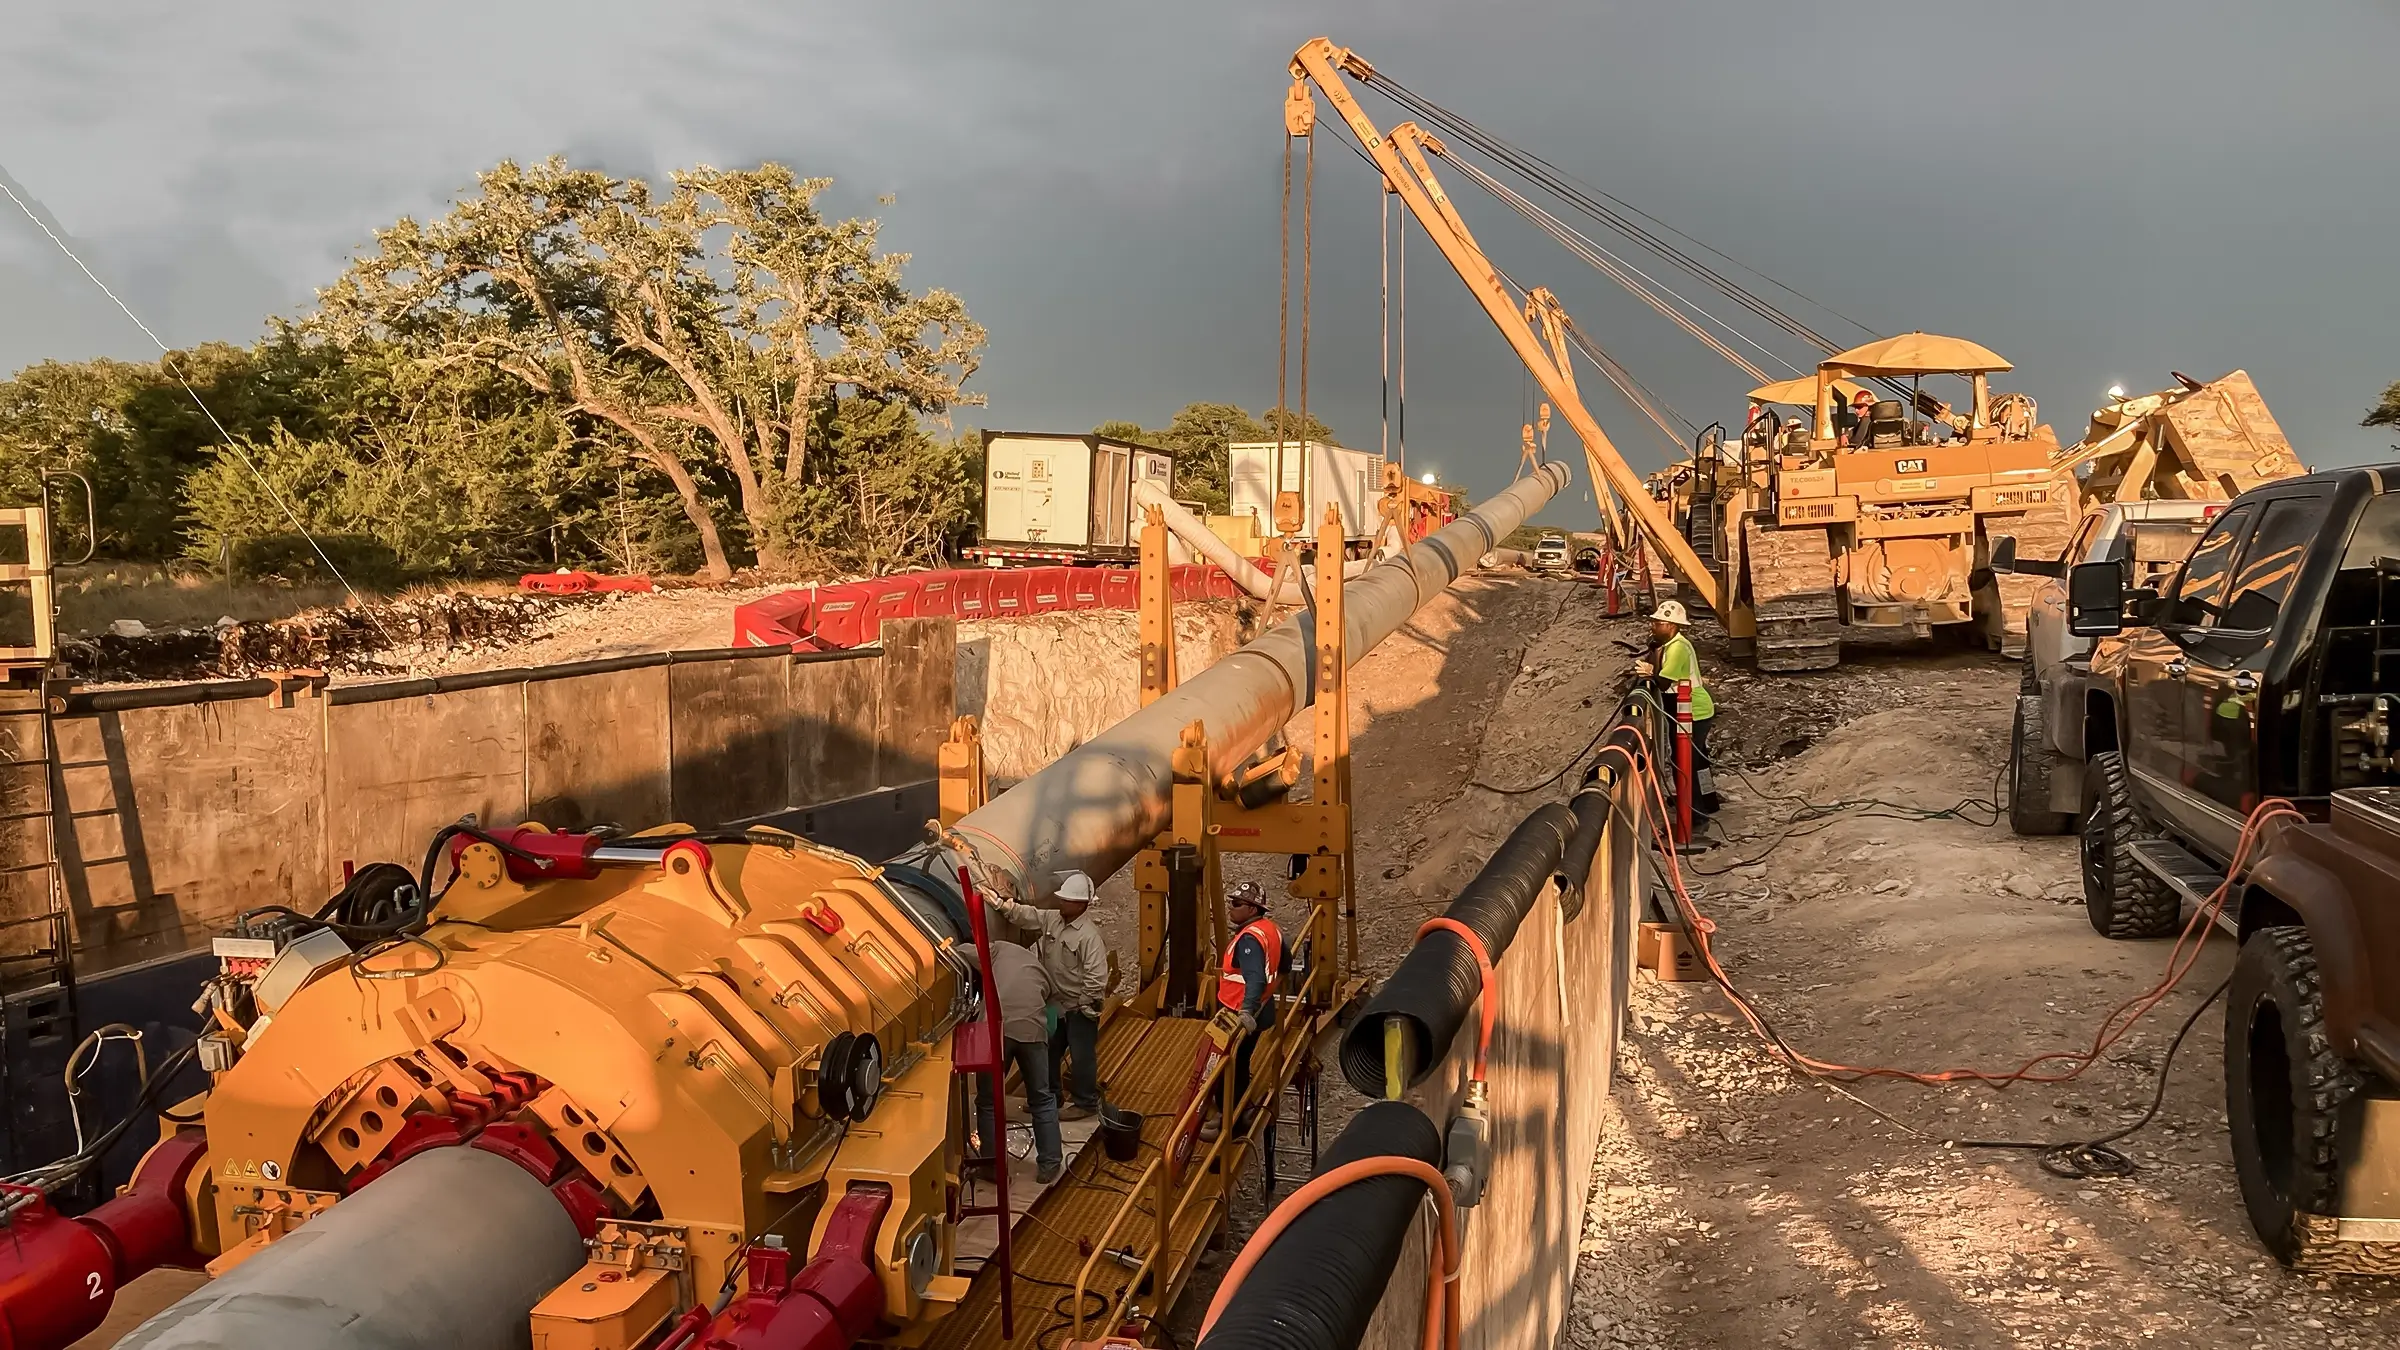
{"points": [[1043, 684], [175, 818], [1563, 990]]}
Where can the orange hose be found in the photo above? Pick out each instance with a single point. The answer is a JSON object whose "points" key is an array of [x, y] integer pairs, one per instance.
{"points": [[1491, 982], [2110, 1031], [1441, 1294]]}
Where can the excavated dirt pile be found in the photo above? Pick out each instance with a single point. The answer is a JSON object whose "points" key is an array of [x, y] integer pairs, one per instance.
{"points": [[373, 639]]}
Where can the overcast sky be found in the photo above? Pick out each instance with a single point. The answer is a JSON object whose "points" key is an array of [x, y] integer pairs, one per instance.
{"points": [[2102, 191]]}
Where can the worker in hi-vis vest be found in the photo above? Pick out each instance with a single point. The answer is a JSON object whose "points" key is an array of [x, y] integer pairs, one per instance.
{"points": [[1674, 662], [1246, 980]]}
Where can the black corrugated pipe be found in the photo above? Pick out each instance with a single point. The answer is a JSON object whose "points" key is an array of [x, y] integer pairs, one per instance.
{"points": [[1438, 981], [1591, 807], [1317, 1287]]}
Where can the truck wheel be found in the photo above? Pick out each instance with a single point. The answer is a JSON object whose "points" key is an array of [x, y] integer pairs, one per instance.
{"points": [[2120, 896], [2031, 761], [2288, 1096], [2029, 680]]}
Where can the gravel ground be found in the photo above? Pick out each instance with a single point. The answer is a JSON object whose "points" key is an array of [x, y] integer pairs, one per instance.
{"points": [[1738, 1204]]}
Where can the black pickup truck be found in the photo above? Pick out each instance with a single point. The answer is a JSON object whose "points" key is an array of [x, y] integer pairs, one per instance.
{"points": [[2267, 666]]}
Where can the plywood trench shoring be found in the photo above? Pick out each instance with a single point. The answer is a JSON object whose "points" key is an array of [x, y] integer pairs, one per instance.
{"points": [[1553, 1057], [184, 816]]}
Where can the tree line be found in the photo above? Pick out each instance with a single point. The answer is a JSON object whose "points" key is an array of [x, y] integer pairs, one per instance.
{"points": [[567, 369]]}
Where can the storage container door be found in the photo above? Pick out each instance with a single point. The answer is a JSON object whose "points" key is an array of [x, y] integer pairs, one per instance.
{"points": [[1109, 489], [1004, 494], [1041, 490]]}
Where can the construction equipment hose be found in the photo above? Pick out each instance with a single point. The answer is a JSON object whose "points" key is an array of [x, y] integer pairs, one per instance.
{"points": [[1440, 978], [1352, 1221]]}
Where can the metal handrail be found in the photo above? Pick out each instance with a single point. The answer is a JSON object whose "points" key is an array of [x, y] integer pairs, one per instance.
{"points": [[1285, 1039]]}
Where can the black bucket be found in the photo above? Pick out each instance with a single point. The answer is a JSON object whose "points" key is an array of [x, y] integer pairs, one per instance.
{"points": [[1120, 1133]]}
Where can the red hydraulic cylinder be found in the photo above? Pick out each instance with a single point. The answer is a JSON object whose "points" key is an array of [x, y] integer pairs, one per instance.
{"points": [[832, 1302], [1683, 761], [59, 1275]]}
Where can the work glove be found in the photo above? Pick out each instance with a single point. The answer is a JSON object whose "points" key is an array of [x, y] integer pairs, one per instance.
{"points": [[1644, 669], [1249, 1023]]}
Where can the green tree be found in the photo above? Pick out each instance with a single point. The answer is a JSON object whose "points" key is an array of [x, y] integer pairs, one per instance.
{"points": [[135, 432], [708, 331], [1198, 436], [2386, 412], [886, 494]]}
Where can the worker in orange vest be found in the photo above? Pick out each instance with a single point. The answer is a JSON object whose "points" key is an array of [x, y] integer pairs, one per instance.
{"points": [[1246, 980]]}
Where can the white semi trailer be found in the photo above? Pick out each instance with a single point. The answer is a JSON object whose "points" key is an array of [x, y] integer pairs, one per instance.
{"points": [[1322, 474], [1064, 498]]}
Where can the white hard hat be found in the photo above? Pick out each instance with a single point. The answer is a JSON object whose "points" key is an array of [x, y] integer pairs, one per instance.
{"points": [[1672, 612], [1077, 886]]}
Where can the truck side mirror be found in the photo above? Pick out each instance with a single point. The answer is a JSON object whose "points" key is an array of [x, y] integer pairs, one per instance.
{"points": [[2004, 553], [2096, 599]]}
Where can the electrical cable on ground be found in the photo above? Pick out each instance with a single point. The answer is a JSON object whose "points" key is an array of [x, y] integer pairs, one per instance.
{"points": [[2076, 1158]]}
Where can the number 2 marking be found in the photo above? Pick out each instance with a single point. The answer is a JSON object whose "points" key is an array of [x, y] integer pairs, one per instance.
{"points": [[94, 1277]]}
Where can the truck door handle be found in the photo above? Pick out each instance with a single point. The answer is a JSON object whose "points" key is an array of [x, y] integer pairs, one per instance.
{"points": [[2178, 669]]}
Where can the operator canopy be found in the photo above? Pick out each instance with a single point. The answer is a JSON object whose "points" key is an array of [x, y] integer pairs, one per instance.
{"points": [[1801, 391], [1916, 354]]}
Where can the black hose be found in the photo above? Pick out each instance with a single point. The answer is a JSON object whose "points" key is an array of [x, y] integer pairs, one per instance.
{"points": [[1439, 980], [1591, 807], [1317, 1287]]}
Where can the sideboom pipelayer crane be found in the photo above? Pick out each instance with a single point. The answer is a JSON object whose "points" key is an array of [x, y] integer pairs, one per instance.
{"points": [[1889, 527], [1409, 175]]}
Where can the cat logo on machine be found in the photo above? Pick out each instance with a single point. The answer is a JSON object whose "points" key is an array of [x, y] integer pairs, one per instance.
{"points": [[1909, 466]]}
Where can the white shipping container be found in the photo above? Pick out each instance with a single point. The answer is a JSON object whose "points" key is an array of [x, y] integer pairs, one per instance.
{"points": [[1323, 474], [1064, 496]]}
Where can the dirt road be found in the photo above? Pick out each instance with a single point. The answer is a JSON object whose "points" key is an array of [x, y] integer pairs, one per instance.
{"points": [[1740, 1205]]}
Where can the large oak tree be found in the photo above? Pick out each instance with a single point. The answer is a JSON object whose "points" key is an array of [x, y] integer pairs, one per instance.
{"points": [[708, 329]]}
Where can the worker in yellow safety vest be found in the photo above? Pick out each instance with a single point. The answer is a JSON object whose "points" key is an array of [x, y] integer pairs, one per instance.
{"points": [[1246, 979], [1673, 662]]}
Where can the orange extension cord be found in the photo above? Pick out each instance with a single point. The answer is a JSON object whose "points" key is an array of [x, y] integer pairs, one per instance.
{"points": [[2111, 1030], [1441, 1288], [1441, 1299], [1443, 923]]}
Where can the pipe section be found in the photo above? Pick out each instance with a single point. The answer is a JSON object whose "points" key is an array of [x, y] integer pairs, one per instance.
{"points": [[1317, 1287], [1096, 806], [444, 1252], [1439, 980], [1208, 544]]}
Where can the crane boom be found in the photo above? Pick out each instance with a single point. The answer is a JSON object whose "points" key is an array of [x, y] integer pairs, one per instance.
{"points": [[1322, 64]]}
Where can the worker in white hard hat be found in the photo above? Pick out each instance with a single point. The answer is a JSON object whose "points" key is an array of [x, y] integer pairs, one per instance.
{"points": [[1674, 661], [1075, 957]]}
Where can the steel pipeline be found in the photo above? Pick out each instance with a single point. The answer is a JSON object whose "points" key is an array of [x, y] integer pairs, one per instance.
{"points": [[444, 1252], [1096, 806]]}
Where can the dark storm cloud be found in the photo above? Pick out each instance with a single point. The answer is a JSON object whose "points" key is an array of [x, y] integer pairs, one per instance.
{"points": [[2100, 191]]}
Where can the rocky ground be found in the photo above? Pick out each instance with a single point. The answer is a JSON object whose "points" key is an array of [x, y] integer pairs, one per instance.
{"points": [[1739, 1204], [424, 633]]}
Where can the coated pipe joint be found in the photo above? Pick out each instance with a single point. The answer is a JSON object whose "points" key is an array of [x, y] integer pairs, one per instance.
{"points": [[1438, 982]]}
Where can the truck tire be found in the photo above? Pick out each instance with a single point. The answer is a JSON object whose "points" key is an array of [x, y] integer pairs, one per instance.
{"points": [[2120, 896], [2031, 762], [2288, 1095], [2029, 680]]}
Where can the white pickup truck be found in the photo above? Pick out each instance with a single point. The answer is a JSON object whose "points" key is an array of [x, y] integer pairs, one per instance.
{"points": [[2151, 538]]}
